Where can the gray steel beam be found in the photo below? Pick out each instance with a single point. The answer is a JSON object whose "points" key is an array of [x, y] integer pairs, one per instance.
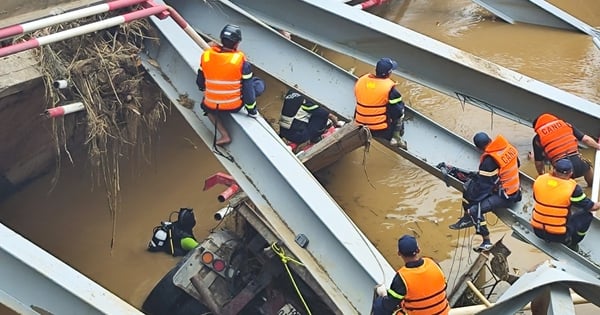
{"points": [[35, 282], [571, 20], [596, 37], [522, 11], [339, 256], [273, 53], [554, 276], [561, 302], [421, 59], [291, 63]]}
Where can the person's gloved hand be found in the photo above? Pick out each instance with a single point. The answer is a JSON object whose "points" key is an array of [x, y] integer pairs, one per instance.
{"points": [[381, 290], [252, 112]]}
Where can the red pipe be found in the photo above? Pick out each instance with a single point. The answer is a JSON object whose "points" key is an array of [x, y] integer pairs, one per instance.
{"points": [[370, 3], [59, 111], [19, 47], [223, 179], [227, 193], [218, 178]]}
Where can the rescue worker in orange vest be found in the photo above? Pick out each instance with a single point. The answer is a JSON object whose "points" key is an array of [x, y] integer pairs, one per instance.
{"points": [[379, 105], [561, 210], [495, 185], [226, 78], [556, 139], [418, 288]]}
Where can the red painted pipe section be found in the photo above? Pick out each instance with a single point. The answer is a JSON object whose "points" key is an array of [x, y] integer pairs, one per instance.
{"points": [[11, 31], [232, 190], [22, 46], [370, 3], [223, 179], [59, 111], [218, 178]]}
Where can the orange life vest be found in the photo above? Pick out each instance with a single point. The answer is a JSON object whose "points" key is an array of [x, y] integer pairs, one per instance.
{"points": [[556, 137], [425, 289], [506, 156], [552, 198], [372, 97], [223, 77]]}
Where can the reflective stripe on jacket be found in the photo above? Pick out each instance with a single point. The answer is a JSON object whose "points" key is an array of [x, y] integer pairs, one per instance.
{"points": [[291, 111], [223, 76], [372, 97], [506, 156], [556, 137], [425, 289], [552, 198]]}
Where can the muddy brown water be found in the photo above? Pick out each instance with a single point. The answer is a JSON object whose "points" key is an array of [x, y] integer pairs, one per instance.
{"points": [[387, 196]]}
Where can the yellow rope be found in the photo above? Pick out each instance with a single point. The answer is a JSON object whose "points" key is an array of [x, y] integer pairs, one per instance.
{"points": [[284, 259]]}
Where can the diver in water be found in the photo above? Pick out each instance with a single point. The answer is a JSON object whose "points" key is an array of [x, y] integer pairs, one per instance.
{"points": [[176, 238]]}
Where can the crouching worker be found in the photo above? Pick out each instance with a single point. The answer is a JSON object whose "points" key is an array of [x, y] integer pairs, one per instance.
{"points": [[418, 288], [303, 120], [561, 210], [495, 185], [176, 238]]}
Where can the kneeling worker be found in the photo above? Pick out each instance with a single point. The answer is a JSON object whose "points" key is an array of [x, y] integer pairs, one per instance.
{"points": [[561, 210], [302, 119]]}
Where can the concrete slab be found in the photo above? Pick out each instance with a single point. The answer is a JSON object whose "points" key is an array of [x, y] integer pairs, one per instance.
{"points": [[16, 73]]}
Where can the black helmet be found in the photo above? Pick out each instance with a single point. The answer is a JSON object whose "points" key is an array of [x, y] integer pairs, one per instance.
{"points": [[186, 218], [231, 36]]}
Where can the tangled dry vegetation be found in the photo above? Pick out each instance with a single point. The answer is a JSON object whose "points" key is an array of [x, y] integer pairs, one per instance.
{"points": [[122, 106]]}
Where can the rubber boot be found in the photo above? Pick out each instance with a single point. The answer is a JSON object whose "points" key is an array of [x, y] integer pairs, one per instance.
{"points": [[397, 140]]}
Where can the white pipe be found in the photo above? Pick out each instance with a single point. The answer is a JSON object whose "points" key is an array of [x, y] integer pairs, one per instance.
{"points": [[81, 30], [65, 17], [219, 215], [60, 84]]}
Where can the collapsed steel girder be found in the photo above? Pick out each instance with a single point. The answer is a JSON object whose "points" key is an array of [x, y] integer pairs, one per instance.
{"points": [[274, 178], [420, 59], [35, 282], [538, 12], [555, 278], [298, 67]]}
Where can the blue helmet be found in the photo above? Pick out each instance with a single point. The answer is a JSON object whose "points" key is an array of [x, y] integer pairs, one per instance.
{"points": [[481, 140]]}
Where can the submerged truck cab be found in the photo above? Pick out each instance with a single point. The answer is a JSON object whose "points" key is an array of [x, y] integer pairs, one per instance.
{"points": [[237, 269]]}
